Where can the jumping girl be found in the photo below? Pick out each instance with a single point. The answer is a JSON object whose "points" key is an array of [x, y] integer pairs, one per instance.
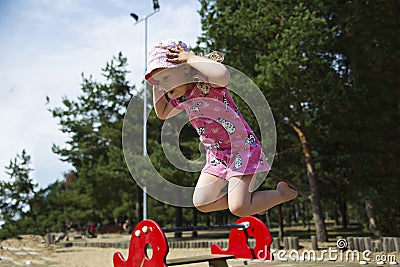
{"points": [[184, 81]]}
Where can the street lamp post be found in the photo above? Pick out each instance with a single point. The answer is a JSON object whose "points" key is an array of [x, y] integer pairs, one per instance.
{"points": [[156, 8]]}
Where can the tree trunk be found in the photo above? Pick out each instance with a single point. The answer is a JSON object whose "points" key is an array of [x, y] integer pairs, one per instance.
{"points": [[138, 204], [308, 216], [312, 180], [343, 211], [336, 214], [303, 214], [280, 219], [369, 209], [178, 220], [194, 222]]}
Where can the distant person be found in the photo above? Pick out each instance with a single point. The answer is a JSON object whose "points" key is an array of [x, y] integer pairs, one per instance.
{"points": [[92, 230], [125, 225]]}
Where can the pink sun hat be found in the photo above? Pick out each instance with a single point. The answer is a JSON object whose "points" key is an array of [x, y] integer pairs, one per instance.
{"points": [[157, 57]]}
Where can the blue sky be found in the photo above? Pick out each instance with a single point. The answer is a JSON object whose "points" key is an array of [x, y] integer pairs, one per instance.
{"points": [[45, 47]]}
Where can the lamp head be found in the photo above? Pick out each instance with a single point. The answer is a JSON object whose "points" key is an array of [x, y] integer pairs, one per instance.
{"points": [[134, 16], [156, 5]]}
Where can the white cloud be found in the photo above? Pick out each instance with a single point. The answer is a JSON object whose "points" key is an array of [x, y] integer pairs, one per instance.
{"points": [[48, 44]]}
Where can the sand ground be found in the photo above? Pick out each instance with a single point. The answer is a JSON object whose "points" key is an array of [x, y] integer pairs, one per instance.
{"points": [[32, 250]]}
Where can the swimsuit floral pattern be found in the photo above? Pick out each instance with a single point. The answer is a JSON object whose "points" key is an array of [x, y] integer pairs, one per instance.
{"points": [[232, 148]]}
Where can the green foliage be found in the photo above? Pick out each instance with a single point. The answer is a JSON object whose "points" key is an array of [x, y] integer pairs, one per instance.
{"points": [[329, 68], [365, 129], [94, 122], [17, 192]]}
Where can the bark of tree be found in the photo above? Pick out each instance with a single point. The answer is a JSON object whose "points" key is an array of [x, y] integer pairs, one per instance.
{"points": [[336, 214], [178, 220], [138, 204], [369, 209], [194, 222], [343, 211], [313, 182], [280, 218]]}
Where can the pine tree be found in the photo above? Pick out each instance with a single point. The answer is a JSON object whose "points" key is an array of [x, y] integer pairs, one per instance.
{"points": [[17, 195], [284, 47], [103, 188]]}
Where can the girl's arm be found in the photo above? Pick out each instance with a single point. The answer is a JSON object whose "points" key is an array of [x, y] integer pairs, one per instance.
{"points": [[216, 73], [163, 108]]}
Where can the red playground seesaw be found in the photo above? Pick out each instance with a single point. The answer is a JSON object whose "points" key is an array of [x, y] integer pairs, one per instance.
{"points": [[149, 234]]}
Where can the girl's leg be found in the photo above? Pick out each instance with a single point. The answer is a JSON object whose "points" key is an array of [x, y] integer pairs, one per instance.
{"points": [[207, 195], [242, 202]]}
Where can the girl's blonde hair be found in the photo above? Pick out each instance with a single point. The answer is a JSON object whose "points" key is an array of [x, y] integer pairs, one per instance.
{"points": [[201, 80]]}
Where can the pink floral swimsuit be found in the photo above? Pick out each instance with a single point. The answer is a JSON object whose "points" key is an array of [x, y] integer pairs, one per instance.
{"points": [[232, 148]]}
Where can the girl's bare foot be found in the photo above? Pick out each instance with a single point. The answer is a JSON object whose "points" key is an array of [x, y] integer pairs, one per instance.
{"points": [[287, 193]]}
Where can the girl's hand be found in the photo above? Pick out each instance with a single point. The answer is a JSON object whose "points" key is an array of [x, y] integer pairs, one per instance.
{"points": [[178, 55], [217, 74]]}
